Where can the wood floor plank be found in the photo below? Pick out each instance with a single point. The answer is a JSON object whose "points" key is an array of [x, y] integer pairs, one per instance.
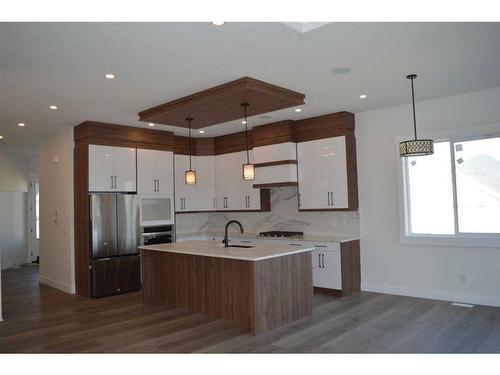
{"points": [[41, 319]]}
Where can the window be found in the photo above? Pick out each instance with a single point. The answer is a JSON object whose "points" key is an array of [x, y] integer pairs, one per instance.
{"points": [[37, 210], [455, 191]]}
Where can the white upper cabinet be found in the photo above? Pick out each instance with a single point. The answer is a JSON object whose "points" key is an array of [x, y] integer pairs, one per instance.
{"points": [[232, 192], [205, 182], [112, 169], [322, 173], [155, 172], [200, 196], [185, 194], [221, 182]]}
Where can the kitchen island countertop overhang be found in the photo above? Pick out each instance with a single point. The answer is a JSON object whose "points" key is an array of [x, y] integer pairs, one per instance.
{"points": [[263, 287], [217, 250]]}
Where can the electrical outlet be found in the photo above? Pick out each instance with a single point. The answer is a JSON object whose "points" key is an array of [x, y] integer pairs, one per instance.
{"points": [[463, 278]]}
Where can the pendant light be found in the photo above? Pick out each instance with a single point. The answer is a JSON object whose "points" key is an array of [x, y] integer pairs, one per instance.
{"points": [[190, 175], [248, 169], [415, 147]]}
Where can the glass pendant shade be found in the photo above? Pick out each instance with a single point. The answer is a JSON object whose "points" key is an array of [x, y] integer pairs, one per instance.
{"points": [[415, 147], [248, 172], [190, 177]]}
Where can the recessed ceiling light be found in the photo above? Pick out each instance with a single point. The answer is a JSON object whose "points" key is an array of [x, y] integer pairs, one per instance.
{"points": [[109, 76], [21, 124], [298, 109], [1, 136], [244, 122], [151, 124], [363, 96], [218, 23], [341, 70], [201, 131], [53, 107]]}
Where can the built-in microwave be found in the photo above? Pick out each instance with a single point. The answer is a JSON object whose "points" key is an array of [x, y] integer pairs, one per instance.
{"points": [[156, 210]]}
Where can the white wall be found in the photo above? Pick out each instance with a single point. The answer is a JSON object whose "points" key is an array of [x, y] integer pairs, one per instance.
{"points": [[13, 170], [424, 271], [13, 210], [56, 212]]}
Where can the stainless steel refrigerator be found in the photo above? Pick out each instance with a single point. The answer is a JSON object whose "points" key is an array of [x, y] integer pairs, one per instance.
{"points": [[114, 243]]}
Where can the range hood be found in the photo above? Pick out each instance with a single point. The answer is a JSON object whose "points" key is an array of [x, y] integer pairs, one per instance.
{"points": [[275, 165]]}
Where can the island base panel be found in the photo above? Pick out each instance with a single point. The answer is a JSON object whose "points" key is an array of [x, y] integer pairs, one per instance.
{"points": [[264, 295]]}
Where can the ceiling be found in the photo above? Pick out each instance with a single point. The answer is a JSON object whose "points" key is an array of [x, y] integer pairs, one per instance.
{"points": [[64, 64]]}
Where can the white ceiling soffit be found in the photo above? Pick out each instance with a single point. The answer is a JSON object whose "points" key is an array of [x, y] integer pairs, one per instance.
{"points": [[304, 27]]}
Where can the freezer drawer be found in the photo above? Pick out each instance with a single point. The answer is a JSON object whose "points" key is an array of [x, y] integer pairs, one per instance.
{"points": [[116, 275]]}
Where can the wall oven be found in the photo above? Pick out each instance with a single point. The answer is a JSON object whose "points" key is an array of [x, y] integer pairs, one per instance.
{"points": [[156, 210], [157, 234]]}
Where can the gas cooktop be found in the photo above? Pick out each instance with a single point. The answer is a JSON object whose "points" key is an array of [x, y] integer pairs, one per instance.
{"points": [[279, 233]]}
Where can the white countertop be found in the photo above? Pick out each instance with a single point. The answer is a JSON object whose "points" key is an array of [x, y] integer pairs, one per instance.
{"points": [[306, 237], [217, 250]]}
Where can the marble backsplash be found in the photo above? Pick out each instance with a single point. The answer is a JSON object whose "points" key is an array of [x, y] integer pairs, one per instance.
{"points": [[283, 216]]}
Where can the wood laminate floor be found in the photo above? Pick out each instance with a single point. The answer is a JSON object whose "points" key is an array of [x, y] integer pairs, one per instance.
{"points": [[42, 319]]}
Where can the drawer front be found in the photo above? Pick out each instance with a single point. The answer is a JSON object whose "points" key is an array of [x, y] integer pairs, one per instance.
{"points": [[116, 275], [327, 246]]}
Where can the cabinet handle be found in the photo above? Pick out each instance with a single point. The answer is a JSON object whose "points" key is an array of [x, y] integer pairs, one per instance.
{"points": [[319, 260], [111, 182], [157, 186], [294, 244], [154, 185], [328, 195], [323, 260], [298, 196], [322, 246], [331, 197], [116, 186]]}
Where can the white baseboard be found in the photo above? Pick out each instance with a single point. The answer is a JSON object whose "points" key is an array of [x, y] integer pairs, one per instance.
{"points": [[56, 284], [442, 295]]}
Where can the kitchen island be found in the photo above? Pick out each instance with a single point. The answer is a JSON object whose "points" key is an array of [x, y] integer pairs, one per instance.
{"points": [[265, 286]]}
